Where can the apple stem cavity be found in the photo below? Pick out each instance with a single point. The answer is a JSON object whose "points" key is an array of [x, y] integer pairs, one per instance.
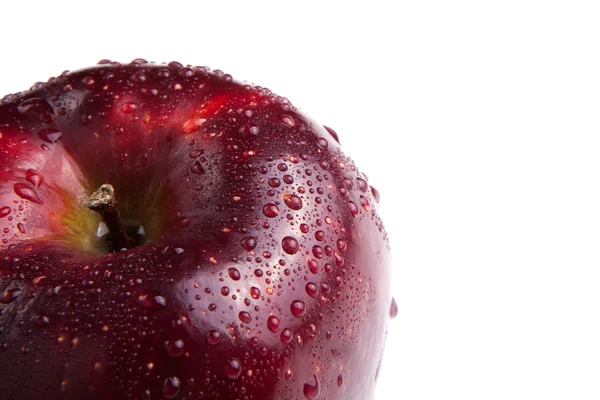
{"points": [[104, 202]]}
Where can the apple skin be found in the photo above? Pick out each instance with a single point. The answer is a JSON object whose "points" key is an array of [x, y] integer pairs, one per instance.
{"points": [[265, 274]]}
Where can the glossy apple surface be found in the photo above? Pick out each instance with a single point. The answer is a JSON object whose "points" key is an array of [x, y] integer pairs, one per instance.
{"points": [[260, 268]]}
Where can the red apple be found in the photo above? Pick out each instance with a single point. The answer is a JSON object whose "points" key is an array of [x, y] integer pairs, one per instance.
{"points": [[234, 253]]}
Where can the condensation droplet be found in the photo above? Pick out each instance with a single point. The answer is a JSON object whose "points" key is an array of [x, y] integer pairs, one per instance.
{"points": [[245, 317], [50, 135], [322, 142], [311, 289], [282, 167], [37, 108], [313, 266], [365, 203], [298, 308], [273, 323], [26, 192], [175, 348], [129, 107], [270, 210], [255, 292], [332, 133], [290, 245], [233, 368], [171, 387], [34, 177], [197, 168], [286, 336], [292, 201], [4, 211], [213, 338], [274, 182], [353, 208], [152, 302], [393, 309], [375, 194], [287, 119], [234, 274], [312, 388], [249, 243], [41, 320], [9, 296], [362, 184]]}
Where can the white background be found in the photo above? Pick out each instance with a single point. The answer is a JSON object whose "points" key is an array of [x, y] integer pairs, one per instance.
{"points": [[478, 121]]}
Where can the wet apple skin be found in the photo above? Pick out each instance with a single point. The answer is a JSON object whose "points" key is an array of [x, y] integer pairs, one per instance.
{"points": [[251, 212]]}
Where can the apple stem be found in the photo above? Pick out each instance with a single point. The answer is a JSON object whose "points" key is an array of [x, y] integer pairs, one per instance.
{"points": [[103, 201]]}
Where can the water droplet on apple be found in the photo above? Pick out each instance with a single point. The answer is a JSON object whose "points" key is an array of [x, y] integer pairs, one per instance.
{"points": [[362, 184], [298, 308], [290, 245], [270, 210], [328, 335], [4, 211], [317, 251], [21, 227], [38, 279], [37, 108], [233, 368], [393, 309], [225, 291], [313, 266], [255, 292], [34, 177], [375, 194], [249, 243], [282, 167], [146, 394], [213, 338], [249, 130], [353, 208], [50, 135], [274, 182], [245, 317], [41, 320], [304, 228], [88, 81], [312, 388], [340, 380], [152, 302], [175, 348], [26, 192], [164, 73], [196, 153], [9, 296], [288, 374], [286, 336], [171, 387], [273, 323], [234, 274], [311, 289], [129, 107], [292, 201], [332, 133], [198, 169], [287, 119], [322, 142]]}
